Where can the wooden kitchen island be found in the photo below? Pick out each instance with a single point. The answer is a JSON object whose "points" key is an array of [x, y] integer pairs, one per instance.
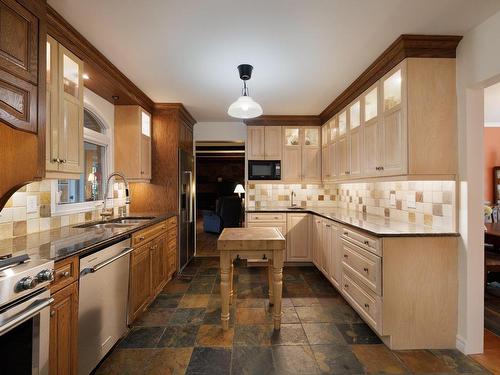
{"points": [[251, 243]]}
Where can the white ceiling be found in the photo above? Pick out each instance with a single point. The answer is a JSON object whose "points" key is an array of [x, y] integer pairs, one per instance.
{"points": [[492, 105], [304, 52]]}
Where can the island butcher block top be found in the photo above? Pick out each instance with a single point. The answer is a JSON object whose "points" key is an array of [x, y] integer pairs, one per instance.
{"points": [[251, 239]]}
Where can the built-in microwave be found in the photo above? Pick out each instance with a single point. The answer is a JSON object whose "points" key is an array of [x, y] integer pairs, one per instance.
{"points": [[264, 169]]}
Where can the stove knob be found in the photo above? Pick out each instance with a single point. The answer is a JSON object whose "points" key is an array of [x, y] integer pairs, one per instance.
{"points": [[27, 283], [45, 275]]}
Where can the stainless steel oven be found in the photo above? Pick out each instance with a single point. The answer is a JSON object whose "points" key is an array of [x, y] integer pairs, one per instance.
{"points": [[25, 317], [264, 170]]}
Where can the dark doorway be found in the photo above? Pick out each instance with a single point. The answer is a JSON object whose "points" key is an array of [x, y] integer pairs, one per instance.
{"points": [[220, 167]]}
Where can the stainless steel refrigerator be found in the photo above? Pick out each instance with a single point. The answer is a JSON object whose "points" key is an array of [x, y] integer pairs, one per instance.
{"points": [[186, 208]]}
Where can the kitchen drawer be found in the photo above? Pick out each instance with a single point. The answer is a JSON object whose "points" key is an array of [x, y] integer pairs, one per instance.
{"points": [[65, 272], [147, 234], [270, 224], [365, 241], [172, 245], [267, 216], [171, 222], [172, 235], [367, 304], [364, 264]]}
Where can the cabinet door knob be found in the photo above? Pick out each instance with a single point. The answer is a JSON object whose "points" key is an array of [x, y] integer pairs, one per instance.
{"points": [[64, 274], [346, 256], [367, 305], [56, 160], [365, 269], [366, 242], [346, 286], [141, 238], [346, 233], [52, 313], [63, 161]]}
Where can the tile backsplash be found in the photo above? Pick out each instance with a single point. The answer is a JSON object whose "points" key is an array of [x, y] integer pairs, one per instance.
{"points": [[430, 203], [18, 218], [278, 195]]}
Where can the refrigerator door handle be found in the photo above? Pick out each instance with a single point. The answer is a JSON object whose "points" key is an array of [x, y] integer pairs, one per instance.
{"points": [[189, 197]]}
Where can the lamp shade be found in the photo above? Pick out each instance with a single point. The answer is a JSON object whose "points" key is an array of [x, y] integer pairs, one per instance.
{"points": [[239, 189], [244, 107]]}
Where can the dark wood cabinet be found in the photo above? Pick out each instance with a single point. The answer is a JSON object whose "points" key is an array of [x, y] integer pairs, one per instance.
{"points": [[140, 280], [64, 331], [159, 263]]}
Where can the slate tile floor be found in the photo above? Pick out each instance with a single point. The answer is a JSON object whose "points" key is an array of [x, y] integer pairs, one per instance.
{"points": [[320, 334]]}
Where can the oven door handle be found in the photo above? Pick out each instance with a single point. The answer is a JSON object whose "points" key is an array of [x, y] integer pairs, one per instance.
{"points": [[25, 314]]}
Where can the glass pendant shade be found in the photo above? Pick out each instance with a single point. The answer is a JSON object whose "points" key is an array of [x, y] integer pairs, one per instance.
{"points": [[244, 107]]}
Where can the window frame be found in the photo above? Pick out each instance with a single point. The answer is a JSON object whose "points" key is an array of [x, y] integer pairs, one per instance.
{"points": [[101, 139]]}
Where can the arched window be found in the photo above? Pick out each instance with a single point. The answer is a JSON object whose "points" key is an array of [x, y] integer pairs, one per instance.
{"points": [[90, 187]]}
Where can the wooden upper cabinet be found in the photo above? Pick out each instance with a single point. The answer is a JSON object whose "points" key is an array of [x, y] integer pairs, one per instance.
{"points": [[372, 132], [342, 151], [133, 142], [272, 142], [264, 142], [292, 154], [64, 112], [311, 154], [19, 40], [355, 137], [256, 142], [301, 153]]}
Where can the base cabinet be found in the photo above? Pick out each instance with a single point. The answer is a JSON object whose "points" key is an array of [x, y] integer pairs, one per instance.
{"points": [[140, 281], [64, 330], [297, 239]]}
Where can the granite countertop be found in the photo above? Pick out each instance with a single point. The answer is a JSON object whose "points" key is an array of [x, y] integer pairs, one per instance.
{"points": [[372, 224], [61, 243]]}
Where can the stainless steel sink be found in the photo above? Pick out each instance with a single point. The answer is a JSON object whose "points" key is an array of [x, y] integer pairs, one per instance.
{"points": [[295, 208], [105, 225], [132, 220]]}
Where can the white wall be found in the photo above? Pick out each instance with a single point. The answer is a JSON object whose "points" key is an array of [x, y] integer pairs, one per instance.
{"points": [[220, 131], [478, 57]]}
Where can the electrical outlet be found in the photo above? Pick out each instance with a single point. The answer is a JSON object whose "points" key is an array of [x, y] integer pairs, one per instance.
{"points": [[410, 201], [31, 204], [392, 199]]}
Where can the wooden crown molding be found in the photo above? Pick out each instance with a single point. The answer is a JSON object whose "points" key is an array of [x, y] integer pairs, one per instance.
{"points": [[105, 78], [429, 46], [178, 107], [281, 120]]}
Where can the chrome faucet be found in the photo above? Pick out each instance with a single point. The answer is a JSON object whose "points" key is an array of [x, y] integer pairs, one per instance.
{"points": [[105, 213], [292, 194]]}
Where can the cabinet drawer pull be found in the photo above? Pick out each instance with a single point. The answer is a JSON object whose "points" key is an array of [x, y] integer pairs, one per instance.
{"points": [[367, 305], [141, 238], [346, 285], [56, 160], [366, 242], [328, 225], [346, 233], [64, 274], [276, 217], [63, 161], [346, 256], [52, 313], [365, 269]]}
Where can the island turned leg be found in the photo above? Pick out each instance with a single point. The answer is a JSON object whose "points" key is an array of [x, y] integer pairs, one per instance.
{"points": [[270, 281], [231, 282], [277, 286], [225, 286]]}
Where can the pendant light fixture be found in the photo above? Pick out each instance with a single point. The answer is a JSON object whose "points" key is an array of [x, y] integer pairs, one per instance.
{"points": [[245, 106]]}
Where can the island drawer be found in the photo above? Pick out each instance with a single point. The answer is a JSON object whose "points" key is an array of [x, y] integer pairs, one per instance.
{"points": [[368, 305], [364, 264], [267, 216], [363, 240]]}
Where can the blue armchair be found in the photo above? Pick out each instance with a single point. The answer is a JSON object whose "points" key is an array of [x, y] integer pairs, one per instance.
{"points": [[227, 215]]}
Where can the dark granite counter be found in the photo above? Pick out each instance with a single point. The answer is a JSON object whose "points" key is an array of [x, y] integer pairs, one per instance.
{"points": [[61, 243], [375, 225]]}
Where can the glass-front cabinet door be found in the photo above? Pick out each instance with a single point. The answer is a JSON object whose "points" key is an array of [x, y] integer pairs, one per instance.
{"points": [[392, 90]]}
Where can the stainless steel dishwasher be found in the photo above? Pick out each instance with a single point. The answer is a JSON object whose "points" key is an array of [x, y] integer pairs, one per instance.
{"points": [[102, 313]]}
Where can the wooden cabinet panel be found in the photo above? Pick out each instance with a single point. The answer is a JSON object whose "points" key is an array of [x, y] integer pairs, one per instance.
{"points": [[394, 149], [19, 53], [342, 152], [325, 163], [66, 272], [133, 142], [281, 225], [326, 247], [64, 331], [159, 263], [371, 149], [71, 137], [256, 142], [332, 160], [140, 281], [355, 152], [272, 142], [292, 163], [298, 244], [317, 240], [335, 266], [311, 164]]}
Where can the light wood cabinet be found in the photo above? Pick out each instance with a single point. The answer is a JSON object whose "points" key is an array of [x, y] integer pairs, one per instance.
{"points": [[264, 142], [64, 112], [63, 349], [297, 238], [133, 142], [407, 121], [317, 240], [301, 154]]}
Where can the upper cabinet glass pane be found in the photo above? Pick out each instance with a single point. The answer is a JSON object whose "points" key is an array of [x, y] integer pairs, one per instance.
{"points": [[342, 123], [146, 124], [311, 137], [371, 105], [292, 137], [71, 76], [392, 90], [355, 113], [48, 78], [333, 129]]}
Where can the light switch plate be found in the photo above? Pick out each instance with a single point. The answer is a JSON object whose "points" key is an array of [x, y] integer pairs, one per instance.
{"points": [[392, 199], [410, 201], [31, 204]]}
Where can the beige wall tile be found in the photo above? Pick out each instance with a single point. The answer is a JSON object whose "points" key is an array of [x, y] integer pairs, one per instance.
{"points": [[6, 230], [20, 228]]}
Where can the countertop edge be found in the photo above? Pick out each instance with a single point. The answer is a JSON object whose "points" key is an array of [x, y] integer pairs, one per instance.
{"points": [[377, 234]]}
